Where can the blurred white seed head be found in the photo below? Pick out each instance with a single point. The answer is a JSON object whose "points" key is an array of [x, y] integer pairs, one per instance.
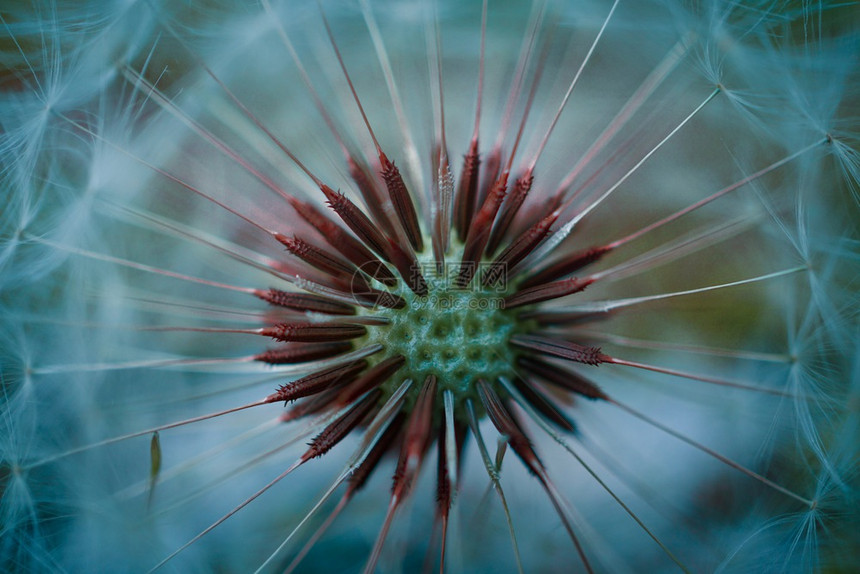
{"points": [[111, 114]]}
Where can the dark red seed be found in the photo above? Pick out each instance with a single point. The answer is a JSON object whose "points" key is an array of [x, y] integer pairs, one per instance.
{"points": [[506, 425], [402, 202], [416, 439], [383, 445], [519, 249], [567, 265], [373, 199], [408, 267], [561, 377], [351, 248], [510, 209], [305, 302], [313, 405], [313, 332], [562, 349], [357, 221], [491, 172], [543, 405], [317, 382], [546, 292], [374, 377], [316, 257], [443, 484], [479, 231], [467, 190], [336, 431], [534, 212], [302, 353]]}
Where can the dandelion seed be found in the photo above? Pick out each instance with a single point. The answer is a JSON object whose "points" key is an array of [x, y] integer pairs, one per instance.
{"points": [[643, 288]]}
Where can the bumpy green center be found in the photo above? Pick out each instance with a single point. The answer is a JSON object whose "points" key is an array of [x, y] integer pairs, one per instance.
{"points": [[458, 334]]}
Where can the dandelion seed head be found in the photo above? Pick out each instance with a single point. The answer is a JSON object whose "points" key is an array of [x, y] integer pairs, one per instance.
{"points": [[247, 240]]}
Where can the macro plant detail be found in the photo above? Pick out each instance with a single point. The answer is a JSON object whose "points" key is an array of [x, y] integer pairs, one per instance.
{"points": [[361, 286]]}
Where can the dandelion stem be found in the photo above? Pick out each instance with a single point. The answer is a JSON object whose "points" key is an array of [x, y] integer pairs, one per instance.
{"points": [[492, 472], [565, 230], [148, 431], [141, 266], [604, 306], [318, 534], [202, 489], [645, 90], [409, 148], [522, 402], [189, 464], [702, 378], [570, 88], [680, 247], [716, 195], [725, 460], [536, 16], [372, 435], [170, 106], [215, 524], [661, 346]]}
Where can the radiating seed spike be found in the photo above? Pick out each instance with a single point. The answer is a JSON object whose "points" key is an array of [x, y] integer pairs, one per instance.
{"points": [[519, 249], [443, 492], [545, 292], [443, 480], [506, 425], [351, 248], [561, 377], [491, 173], [467, 190], [302, 353], [330, 231], [402, 202], [543, 405], [316, 257], [492, 473], [442, 223], [567, 265], [509, 210], [383, 445], [355, 482], [313, 332], [305, 302], [479, 231], [374, 377], [532, 213], [357, 221], [415, 440], [562, 349], [313, 405], [317, 382], [342, 426], [408, 267], [291, 567], [371, 194], [412, 452]]}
